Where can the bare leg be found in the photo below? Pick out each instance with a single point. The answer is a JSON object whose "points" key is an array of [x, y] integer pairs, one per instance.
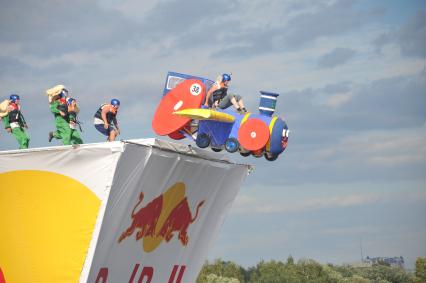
{"points": [[241, 104], [235, 103], [112, 136]]}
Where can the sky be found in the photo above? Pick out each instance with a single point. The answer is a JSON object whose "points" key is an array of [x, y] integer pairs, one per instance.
{"points": [[352, 81]]}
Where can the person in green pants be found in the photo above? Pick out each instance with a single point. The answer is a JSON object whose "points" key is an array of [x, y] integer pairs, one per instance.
{"points": [[14, 122], [59, 108], [73, 121]]}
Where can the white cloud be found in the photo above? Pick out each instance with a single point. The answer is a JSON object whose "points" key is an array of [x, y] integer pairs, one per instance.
{"points": [[337, 56], [391, 148], [337, 196], [247, 204], [374, 148], [339, 99], [134, 9], [345, 231]]}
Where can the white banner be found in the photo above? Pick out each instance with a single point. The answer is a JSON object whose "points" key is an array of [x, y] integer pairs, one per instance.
{"points": [[134, 211], [163, 213]]}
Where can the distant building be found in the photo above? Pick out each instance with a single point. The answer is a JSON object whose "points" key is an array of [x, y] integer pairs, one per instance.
{"points": [[392, 261]]}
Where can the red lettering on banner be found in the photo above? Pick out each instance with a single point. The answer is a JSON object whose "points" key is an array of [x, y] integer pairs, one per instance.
{"points": [[102, 275], [147, 273], [135, 269], [180, 275]]}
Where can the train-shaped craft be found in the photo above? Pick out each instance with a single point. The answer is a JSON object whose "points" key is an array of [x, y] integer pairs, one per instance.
{"points": [[180, 114]]}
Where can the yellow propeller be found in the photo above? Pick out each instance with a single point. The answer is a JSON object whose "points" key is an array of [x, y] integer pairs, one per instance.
{"points": [[205, 114]]}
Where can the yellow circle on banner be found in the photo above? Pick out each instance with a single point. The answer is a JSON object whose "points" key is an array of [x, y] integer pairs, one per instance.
{"points": [[46, 223], [171, 199]]}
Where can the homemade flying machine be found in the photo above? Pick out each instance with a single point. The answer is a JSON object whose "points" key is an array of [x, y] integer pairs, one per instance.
{"points": [[180, 114]]}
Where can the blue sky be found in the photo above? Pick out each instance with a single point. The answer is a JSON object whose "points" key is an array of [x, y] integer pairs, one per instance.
{"points": [[352, 79]]}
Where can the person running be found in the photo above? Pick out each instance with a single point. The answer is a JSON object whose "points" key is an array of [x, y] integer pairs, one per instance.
{"points": [[105, 119], [14, 122], [74, 124], [59, 108], [218, 95]]}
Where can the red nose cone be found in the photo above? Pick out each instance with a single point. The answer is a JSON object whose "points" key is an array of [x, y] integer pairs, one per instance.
{"points": [[178, 135], [253, 134], [188, 94]]}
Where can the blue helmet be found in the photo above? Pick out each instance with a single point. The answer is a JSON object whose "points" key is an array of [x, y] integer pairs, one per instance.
{"points": [[226, 78], [70, 100], [14, 97], [63, 93], [115, 102]]}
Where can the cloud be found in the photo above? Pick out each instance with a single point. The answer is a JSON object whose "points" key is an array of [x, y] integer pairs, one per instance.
{"points": [[336, 57], [333, 19], [357, 230], [52, 28], [329, 234], [283, 31], [10, 66], [411, 37], [338, 100], [245, 204], [301, 199], [392, 103], [390, 148]]}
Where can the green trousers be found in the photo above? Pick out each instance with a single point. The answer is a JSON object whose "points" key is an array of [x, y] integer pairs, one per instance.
{"points": [[21, 136], [63, 130], [75, 137]]}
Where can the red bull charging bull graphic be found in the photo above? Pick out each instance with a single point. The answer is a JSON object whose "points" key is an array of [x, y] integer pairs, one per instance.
{"points": [[167, 215]]}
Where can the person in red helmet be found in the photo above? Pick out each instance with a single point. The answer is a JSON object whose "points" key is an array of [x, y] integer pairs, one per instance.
{"points": [[218, 95], [106, 119]]}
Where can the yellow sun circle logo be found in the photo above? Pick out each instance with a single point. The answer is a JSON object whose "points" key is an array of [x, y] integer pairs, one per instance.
{"points": [[46, 221]]}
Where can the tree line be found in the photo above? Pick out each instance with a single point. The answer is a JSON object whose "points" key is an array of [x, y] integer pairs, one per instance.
{"points": [[308, 270]]}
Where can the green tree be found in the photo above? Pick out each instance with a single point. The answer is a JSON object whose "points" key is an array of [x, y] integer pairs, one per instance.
{"points": [[420, 269], [272, 272], [221, 268], [308, 271], [311, 271], [333, 275], [355, 279], [384, 273], [344, 270], [213, 278]]}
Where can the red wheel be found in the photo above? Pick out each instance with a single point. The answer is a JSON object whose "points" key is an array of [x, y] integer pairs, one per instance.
{"points": [[253, 134], [188, 94]]}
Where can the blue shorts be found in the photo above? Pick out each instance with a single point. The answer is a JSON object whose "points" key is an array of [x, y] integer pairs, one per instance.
{"points": [[106, 132]]}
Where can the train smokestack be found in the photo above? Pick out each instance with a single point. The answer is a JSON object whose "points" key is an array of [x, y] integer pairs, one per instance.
{"points": [[268, 101]]}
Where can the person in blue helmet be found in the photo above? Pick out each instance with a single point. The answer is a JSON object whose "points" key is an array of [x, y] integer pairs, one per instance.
{"points": [[14, 122], [59, 109], [105, 119], [73, 121], [218, 95]]}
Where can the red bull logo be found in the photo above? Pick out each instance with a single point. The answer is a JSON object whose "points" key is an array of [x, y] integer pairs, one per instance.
{"points": [[162, 218]]}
